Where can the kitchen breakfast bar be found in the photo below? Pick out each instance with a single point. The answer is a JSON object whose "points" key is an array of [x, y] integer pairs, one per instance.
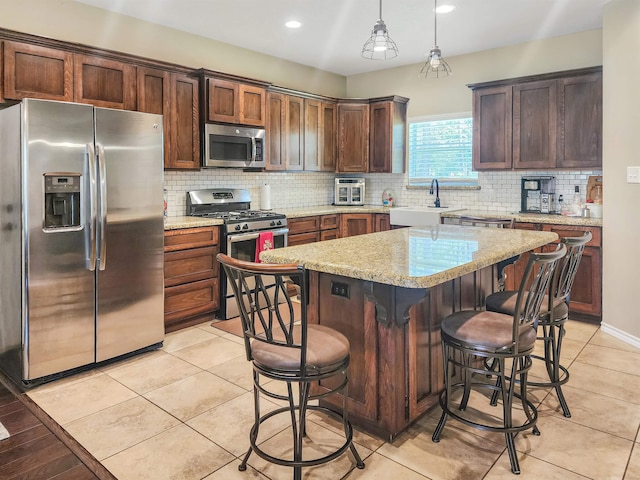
{"points": [[388, 292]]}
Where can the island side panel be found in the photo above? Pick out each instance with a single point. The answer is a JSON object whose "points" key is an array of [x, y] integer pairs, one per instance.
{"points": [[396, 371]]}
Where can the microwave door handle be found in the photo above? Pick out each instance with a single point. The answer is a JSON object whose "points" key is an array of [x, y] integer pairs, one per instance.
{"points": [[253, 150], [102, 216], [93, 205]]}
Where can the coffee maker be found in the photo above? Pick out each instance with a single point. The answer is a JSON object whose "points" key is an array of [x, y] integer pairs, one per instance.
{"points": [[538, 195]]}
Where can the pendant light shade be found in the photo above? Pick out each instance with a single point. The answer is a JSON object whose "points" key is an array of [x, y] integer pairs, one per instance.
{"points": [[435, 66], [380, 46]]}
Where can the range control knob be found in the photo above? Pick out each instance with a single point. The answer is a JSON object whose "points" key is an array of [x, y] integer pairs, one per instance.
{"points": [[272, 224], [279, 222], [237, 227], [245, 226]]}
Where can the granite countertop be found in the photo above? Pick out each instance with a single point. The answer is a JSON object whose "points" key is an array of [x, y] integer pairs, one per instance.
{"points": [[528, 217], [173, 223], [416, 257], [332, 209]]}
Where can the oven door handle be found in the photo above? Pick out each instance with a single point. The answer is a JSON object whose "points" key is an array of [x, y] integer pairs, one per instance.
{"points": [[254, 235]]}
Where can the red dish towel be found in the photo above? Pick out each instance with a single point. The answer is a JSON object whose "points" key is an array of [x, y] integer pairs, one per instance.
{"points": [[265, 242]]}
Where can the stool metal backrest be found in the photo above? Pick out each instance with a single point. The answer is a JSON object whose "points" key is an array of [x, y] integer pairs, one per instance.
{"points": [[566, 273], [486, 222], [267, 312]]}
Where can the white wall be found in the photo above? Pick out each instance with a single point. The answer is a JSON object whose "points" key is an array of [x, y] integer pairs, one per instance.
{"points": [[621, 229]]}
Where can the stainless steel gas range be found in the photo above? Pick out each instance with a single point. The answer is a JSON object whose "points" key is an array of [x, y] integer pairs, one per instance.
{"points": [[240, 232]]}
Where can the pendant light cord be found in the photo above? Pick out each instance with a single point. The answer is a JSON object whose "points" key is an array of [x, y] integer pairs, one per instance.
{"points": [[435, 23], [380, 17]]}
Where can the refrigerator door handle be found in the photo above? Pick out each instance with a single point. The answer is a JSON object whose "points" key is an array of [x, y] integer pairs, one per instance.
{"points": [[102, 214], [93, 206]]}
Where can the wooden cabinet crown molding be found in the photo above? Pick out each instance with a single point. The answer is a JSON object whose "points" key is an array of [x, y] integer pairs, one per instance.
{"points": [[537, 77]]}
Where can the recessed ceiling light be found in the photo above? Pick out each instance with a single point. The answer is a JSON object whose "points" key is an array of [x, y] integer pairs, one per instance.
{"points": [[293, 24], [445, 8]]}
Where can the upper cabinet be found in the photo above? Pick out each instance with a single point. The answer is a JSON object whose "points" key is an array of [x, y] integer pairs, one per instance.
{"points": [[284, 132], [229, 101], [353, 137], [388, 135], [103, 82], [32, 71], [175, 96], [580, 121], [539, 122]]}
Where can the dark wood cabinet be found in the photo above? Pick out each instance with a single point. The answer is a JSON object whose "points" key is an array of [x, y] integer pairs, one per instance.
{"points": [[539, 122], [352, 224], [534, 125], [381, 222], [492, 128], [190, 275], [388, 135], [276, 131], [103, 82], [174, 95], [184, 129], [580, 121], [32, 71], [586, 294], [353, 138], [312, 135], [329, 137], [303, 230], [295, 133], [229, 101]]}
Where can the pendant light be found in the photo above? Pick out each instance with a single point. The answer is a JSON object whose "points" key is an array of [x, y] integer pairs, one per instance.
{"points": [[435, 66], [380, 46]]}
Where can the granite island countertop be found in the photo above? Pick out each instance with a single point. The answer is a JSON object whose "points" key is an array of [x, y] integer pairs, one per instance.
{"points": [[415, 257]]}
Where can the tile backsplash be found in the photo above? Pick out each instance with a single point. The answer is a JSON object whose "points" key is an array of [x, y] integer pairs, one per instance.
{"points": [[499, 191]]}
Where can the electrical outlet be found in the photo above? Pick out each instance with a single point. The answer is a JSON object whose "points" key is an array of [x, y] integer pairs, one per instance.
{"points": [[633, 174], [340, 289]]}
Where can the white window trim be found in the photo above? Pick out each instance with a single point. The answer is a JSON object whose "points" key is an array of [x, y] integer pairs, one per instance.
{"points": [[444, 182]]}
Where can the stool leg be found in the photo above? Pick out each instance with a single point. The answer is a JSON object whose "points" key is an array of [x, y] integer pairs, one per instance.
{"points": [[256, 411], [507, 403], [345, 423], [466, 360], [296, 432], [444, 395], [525, 365]]}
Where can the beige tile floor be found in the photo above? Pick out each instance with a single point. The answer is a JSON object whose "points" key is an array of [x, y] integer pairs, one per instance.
{"points": [[184, 412]]}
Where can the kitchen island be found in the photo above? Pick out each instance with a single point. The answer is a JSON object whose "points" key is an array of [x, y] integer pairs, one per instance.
{"points": [[388, 292]]}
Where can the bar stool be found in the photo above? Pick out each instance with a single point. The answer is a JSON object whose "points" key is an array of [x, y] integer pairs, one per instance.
{"points": [[470, 338], [486, 222], [285, 347], [551, 325]]}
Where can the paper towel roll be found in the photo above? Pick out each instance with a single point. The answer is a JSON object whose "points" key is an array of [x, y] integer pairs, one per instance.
{"points": [[265, 197]]}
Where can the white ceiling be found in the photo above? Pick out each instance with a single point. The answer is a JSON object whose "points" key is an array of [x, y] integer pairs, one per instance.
{"points": [[334, 31]]}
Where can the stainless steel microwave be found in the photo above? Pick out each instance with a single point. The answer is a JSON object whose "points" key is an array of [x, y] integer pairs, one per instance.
{"points": [[233, 147]]}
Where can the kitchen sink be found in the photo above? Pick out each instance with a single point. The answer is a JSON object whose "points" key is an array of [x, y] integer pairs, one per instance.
{"points": [[417, 216]]}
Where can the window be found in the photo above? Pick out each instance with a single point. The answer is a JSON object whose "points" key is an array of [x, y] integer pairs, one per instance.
{"points": [[440, 147]]}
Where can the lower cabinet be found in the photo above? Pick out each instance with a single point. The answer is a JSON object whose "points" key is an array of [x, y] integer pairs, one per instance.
{"points": [[586, 293], [356, 224], [191, 278], [314, 228]]}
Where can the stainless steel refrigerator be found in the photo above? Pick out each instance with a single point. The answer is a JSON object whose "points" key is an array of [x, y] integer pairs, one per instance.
{"points": [[81, 235]]}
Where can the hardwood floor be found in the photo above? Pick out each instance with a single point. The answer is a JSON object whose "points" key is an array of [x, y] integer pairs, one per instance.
{"points": [[32, 450]]}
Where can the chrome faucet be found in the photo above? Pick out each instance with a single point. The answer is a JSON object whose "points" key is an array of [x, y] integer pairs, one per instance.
{"points": [[437, 202]]}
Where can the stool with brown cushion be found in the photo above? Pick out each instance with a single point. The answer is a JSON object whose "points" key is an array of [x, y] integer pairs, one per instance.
{"points": [[551, 325], [470, 338], [283, 346]]}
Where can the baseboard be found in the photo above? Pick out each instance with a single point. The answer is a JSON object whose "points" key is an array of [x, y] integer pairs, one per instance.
{"points": [[620, 335]]}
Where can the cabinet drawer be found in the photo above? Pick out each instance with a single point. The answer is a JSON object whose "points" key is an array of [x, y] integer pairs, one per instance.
{"points": [[182, 239], [329, 221], [577, 231], [329, 234], [190, 265], [303, 225], [302, 238], [196, 298]]}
